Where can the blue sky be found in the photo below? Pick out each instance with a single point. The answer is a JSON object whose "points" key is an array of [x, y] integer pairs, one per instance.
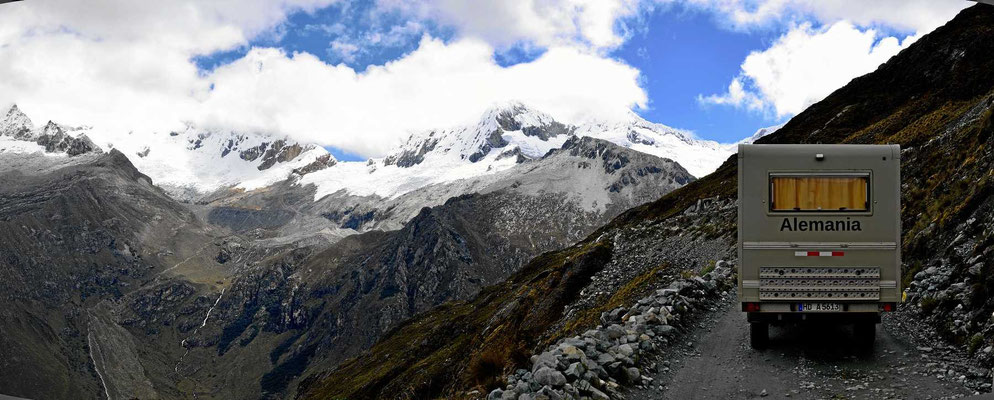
{"points": [[683, 54]]}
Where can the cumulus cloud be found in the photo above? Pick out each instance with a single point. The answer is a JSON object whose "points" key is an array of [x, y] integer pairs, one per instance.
{"points": [[736, 96], [438, 85], [916, 16], [805, 65], [592, 24], [120, 78]]}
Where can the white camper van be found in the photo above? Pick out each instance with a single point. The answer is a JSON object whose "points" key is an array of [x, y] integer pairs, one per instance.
{"points": [[819, 233]]}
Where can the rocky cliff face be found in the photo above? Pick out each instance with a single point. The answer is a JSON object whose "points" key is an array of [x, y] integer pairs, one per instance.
{"points": [[18, 135], [76, 232]]}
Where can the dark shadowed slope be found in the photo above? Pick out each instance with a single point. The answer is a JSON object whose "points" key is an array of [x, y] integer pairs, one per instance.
{"points": [[74, 231]]}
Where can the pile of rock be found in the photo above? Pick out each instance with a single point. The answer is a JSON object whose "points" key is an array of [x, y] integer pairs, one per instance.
{"points": [[595, 365]]}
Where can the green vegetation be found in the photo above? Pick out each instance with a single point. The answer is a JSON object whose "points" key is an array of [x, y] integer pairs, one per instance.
{"points": [[625, 296], [974, 344], [468, 344], [708, 267], [929, 304]]}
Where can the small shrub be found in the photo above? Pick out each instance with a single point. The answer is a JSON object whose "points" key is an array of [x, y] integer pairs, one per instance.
{"points": [[974, 344], [928, 304], [708, 268], [486, 369]]}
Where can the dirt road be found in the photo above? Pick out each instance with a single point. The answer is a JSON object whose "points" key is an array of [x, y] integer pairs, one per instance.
{"points": [[714, 361]]}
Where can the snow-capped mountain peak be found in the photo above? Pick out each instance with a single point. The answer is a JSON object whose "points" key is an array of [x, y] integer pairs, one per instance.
{"points": [[511, 129], [195, 161], [507, 134], [16, 124], [188, 163], [18, 135], [760, 133], [699, 157]]}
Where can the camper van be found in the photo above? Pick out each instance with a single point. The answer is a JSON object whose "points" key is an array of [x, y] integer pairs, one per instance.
{"points": [[819, 234]]}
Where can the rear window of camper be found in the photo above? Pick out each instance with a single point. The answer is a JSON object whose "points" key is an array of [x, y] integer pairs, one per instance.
{"points": [[819, 192]]}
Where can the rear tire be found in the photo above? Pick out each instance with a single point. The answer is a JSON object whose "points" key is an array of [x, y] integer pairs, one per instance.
{"points": [[865, 334], [759, 335]]}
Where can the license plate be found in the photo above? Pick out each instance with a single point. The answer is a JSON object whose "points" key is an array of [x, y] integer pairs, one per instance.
{"points": [[819, 307]]}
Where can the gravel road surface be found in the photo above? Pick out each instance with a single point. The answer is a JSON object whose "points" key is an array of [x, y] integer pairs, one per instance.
{"points": [[714, 361]]}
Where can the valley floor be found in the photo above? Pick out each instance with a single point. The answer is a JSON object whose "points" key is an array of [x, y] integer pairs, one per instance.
{"points": [[714, 361]]}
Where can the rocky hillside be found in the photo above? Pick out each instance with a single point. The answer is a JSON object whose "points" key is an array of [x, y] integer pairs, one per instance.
{"points": [[934, 98], [315, 309], [154, 301], [77, 232], [584, 175]]}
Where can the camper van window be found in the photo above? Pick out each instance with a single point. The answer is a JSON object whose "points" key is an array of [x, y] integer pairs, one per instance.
{"points": [[806, 193]]}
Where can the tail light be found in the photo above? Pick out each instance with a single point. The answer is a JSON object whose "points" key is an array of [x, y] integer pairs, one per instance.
{"points": [[888, 307], [750, 307]]}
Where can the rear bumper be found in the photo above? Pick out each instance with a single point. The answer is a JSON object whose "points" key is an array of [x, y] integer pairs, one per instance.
{"points": [[825, 317]]}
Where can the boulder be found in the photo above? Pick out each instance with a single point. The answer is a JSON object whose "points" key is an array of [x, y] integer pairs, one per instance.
{"points": [[545, 359], [632, 374], [573, 353], [598, 395], [549, 377], [614, 331], [575, 371], [626, 350]]}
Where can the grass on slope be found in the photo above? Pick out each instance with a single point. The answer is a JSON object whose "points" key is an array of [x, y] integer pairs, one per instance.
{"points": [[467, 344]]}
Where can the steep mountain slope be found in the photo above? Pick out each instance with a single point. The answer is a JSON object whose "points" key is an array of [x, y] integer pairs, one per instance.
{"points": [[596, 176], [76, 232], [934, 98], [193, 162], [311, 310]]}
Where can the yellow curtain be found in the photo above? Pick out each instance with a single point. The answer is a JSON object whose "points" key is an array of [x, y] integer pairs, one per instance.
{"points": [[819, 193]]}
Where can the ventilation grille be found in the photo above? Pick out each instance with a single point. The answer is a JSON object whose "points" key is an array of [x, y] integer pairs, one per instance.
{"points": [[819, 283]]}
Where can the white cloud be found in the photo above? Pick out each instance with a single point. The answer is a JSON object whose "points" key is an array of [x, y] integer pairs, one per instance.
{"points": [[736, 96], [344, 50], [189, 26], [437, 85], [805, 65], [123, 66], [592, 24], [919, 16], [337, 28]]}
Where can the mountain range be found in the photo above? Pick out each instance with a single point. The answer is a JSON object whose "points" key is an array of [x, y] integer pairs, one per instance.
{"points": [[152, 268]]}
